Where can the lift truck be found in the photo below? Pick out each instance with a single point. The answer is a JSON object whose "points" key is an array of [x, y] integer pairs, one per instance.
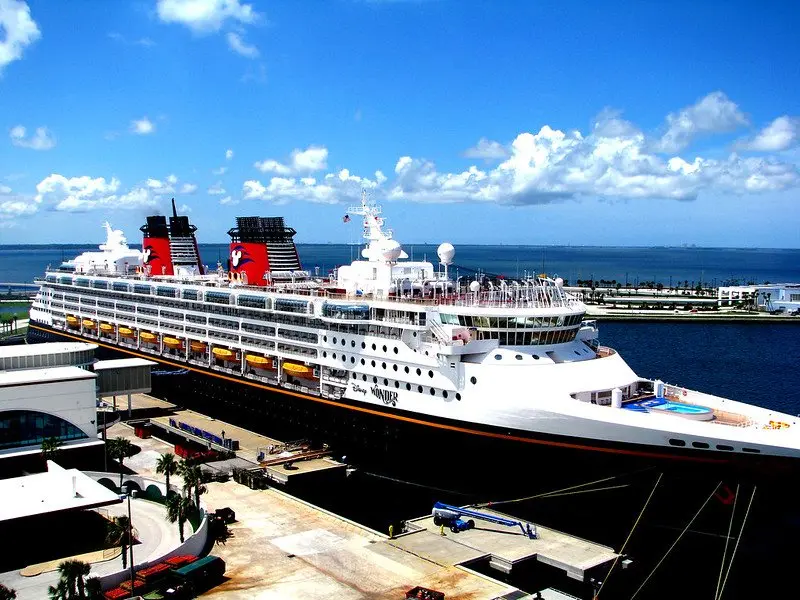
{"points": [[462, 519]]}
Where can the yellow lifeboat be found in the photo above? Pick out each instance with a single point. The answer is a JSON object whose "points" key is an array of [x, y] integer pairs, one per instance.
{"points": [[258, 361], [172, 342], [72, 321], [224, 354], [197, 346], [146, 336], [89, 324], [107, 327], [125, 332], [298, 370]]}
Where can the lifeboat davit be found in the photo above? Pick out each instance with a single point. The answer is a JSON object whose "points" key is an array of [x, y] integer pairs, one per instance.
{"points": [[106, 327], [89, 324], [197, 346], [258, 361], [298, 370], [148, 337], [172, 342], [125, 332], [224, 354]]}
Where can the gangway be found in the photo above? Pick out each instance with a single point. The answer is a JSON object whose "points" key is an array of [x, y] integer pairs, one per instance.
{"points": [[450, 516]]}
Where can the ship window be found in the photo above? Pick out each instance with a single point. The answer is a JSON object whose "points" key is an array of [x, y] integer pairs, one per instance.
{"points": [[344, 342], [700, 444], [433, 392], [408, 387], [406, 369], [395, 350], [397, 384], [419, 389], [430, 374], [576, 352], [384, 348], [724, 447], [353, 359], [355, 375], [364, 377], [394, 367], [324, 355], [374, 347], [372, 363], [344, 358], [444, 394], [374, 379], [353, 343], [324, 338], [473, 380], [363, 362], [385, 382], [751, 450], [383, 365], [535, 357], [498, 357], [518, 356], [334, 340], [363, 345], [458, 396], [334, 356], [674, 442], [419, 372]]}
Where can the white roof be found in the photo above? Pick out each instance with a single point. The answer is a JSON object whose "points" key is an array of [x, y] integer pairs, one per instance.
{"points": [[51, 375], [50, 492], [123, 363], [48, 348]]}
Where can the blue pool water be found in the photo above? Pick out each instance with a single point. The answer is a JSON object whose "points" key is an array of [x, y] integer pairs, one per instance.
{"points": [[660, 404]]}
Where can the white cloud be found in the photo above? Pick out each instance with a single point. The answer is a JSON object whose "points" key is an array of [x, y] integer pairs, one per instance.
{"points": [[142, 126], [487, 150], [228, 154], [313, 158], [13, 206], [238, 45], [217, 189], [227, 200], [42, 139], [172, 179], [202, 16], [331, 189], [715, 113], [78, 194], [17, 30], [118, 37], [220, 171], [4, 190], [188, 188], [779, 135], [155, 184], [184, 208]]}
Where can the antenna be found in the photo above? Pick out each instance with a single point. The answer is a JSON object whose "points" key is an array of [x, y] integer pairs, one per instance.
{"points": [[174, 210]]}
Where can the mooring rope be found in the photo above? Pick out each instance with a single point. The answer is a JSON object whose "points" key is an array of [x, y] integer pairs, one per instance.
{"points": [[727, 539], [630, 534], [675, 543], [736, 547]]}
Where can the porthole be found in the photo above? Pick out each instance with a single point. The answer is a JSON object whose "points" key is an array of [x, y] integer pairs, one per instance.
{"points": [[419, 371], [383, 365], [577, 353], [535, 357], [363, 362], [419, 389], [372, 362], [355, 375], [394, 367], [396, 350], [406, 369], [433, 392], [334, 340], [518, 356], [430, 374], [374, 347], [385, 382], [324, 338], [702, 445], [724, 447], [458, 396], [444, 393], [473, 380], [498, 357], [674, 442], [384, 347], [344, 342], [334, 355], [374, 380], [751, 450], [344, 358], [324, 355], [364, 377], [414, 334], [353, 360], [397, 384], [353, 343], [363, 345], [408, 387]]}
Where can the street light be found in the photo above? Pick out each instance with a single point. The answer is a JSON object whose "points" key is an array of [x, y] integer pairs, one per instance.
{"points": [[127, 492]]}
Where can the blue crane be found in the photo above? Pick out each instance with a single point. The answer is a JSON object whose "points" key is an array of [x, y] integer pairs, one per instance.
{"points": [[451, 516]]}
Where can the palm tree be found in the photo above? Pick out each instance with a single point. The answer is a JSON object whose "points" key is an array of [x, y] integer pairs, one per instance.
{"points": [[7, 593], [118, 532], [59, 591], [178, 508], [94, 590], [120, 449], [192, 480], [50, 448], [71, 583], [167, 465]]}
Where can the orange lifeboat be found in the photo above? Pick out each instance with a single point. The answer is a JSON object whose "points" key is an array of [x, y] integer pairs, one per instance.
{"points": [[172, 342], [72, 321], [298, 370], [150, 338], [224, 354], [89, 324], [258, 361], [197, 346], [106, 327], [125, 332]]}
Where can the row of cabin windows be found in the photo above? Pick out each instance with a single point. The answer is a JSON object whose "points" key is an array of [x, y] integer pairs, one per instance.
{"points": [[408, 386], [512, 322], [705, 446]]}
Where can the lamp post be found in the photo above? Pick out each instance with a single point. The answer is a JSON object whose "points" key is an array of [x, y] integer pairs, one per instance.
{"points": [[128, 492]]}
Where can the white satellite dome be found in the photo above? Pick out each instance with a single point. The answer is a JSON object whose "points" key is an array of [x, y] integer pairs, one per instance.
{"points": [[474, 286], [391, 250], [559, 282], [446, 253]]}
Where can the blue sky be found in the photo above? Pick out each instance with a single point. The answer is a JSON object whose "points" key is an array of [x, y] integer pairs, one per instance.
{"points": [[627, 123]]}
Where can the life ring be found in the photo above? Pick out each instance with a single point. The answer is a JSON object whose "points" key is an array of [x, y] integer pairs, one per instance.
{"points": [[684, 392]]}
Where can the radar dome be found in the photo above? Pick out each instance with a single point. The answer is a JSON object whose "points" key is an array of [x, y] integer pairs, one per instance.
{"points": [[559, 282], [474, 286], [391, 250], [446, 253]]}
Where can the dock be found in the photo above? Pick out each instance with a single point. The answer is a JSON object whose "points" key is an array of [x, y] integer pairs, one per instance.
{"points": [[504, 548], [281, 462]]}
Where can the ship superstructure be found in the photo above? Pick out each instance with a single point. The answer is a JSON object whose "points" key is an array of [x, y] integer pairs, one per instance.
{"points": [[509, 359]]}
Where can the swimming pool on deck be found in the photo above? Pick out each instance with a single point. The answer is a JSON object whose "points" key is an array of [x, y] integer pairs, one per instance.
{"points": [[660, 405]]}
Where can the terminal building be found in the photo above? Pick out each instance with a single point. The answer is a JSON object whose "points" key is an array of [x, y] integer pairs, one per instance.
{"points": [[783, 297]]}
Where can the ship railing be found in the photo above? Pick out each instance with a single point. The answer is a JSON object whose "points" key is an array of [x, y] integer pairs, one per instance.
{"points": [[227, 370], [604, 351], [299, 388], [270, 380]]}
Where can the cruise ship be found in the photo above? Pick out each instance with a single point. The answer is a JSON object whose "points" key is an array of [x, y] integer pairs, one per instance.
{"points": [[387, 350]]}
